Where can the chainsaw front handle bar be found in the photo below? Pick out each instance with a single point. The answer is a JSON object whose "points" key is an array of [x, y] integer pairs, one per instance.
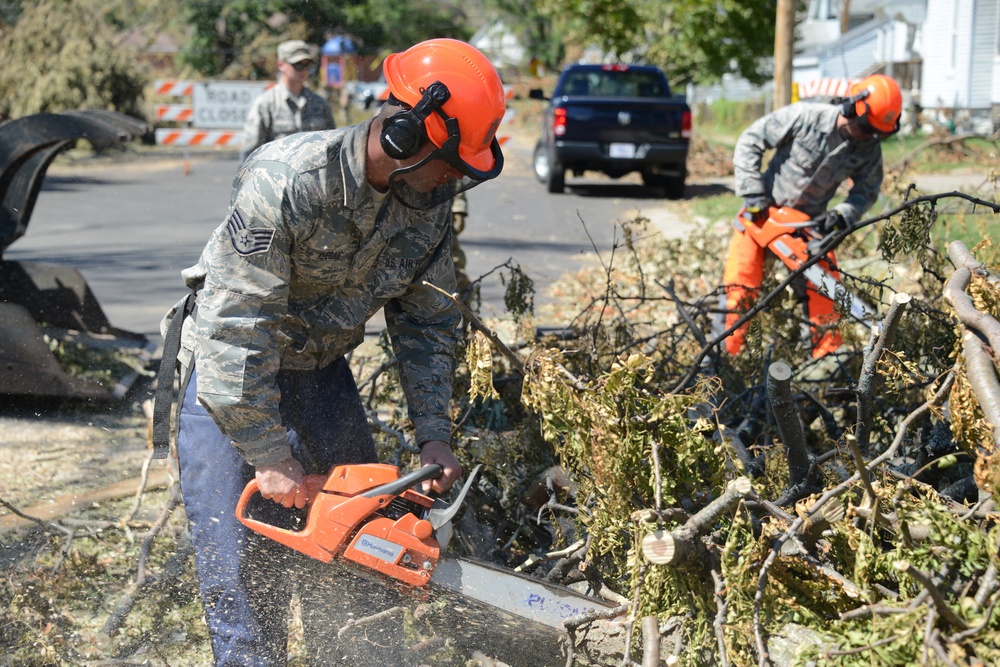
{"points": [[407, 481], [808, 224]]}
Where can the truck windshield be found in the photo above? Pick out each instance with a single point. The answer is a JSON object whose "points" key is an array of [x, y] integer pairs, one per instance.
{"points": [[606, 83]]}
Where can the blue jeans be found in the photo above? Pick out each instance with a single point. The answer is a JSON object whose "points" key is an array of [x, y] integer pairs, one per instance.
{"points": [[247, 580]]}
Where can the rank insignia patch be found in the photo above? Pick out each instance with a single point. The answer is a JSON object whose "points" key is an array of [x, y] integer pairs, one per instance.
{"points": [[247, 241]]}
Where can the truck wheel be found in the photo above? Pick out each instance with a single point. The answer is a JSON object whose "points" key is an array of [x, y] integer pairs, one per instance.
{"points": [[556, 182], [651, 180], [673, 188], [541, 162]]}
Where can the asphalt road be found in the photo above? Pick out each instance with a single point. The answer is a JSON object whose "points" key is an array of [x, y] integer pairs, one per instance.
{"points": [[131, 227]]}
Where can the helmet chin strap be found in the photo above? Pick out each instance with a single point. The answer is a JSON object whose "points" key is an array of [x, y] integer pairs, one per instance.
{"points": [[855, 122], [448, 154], [401, 190], [414, 199]]}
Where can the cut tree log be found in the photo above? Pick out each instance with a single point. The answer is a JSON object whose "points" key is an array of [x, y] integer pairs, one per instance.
{"points": [[677, 546]]}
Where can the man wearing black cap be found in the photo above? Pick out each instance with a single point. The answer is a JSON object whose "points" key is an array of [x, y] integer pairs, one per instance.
{"points": [[288, 106]]}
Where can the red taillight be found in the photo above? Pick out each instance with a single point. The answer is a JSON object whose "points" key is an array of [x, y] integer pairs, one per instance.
{"points": [[559, 122], [615, 68], [686, 125]]}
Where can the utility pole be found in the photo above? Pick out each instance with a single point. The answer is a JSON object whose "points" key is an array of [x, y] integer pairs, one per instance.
{"points": [[784, 42]]}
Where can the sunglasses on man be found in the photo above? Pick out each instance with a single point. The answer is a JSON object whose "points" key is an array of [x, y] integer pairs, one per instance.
{"points": [[302, 65]]}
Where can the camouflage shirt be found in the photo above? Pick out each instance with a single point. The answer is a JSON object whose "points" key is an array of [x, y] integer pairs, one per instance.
{"points": [[276, 113], [810, 160], [309, 252]]}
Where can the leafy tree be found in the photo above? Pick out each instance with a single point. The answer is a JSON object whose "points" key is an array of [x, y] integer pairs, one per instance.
{"points": [[692, 40], [236, 36], [221, 29], [62, 54], [700, 41], [395, 25], [539, 26]]}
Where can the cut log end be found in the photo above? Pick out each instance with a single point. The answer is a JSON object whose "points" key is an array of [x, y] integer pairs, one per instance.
{"points": [[834, 512], [780, 371], [660, 548], [740, 485]]}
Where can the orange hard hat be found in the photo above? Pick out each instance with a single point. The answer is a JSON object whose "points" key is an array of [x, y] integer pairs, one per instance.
{"points": [[882, 104], [476, 98]]}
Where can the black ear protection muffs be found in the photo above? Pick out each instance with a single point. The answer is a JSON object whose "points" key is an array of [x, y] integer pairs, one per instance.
{"points": [[849, 109], [403, 133]]}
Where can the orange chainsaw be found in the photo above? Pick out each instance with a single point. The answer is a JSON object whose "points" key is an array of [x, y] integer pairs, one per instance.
{"points": [[790, 234], [369, 516]]}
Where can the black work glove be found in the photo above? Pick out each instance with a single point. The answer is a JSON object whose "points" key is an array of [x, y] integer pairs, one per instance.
{"points": [[757, 205], [833, 221]]}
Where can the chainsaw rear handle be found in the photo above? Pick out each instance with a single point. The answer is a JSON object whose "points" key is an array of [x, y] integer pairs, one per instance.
{"points": [[313, 484], [785, 216], [301, 540]]}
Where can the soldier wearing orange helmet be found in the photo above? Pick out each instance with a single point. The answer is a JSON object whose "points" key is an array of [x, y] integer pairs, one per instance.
{"points": [[324, 230], [816, 147]]}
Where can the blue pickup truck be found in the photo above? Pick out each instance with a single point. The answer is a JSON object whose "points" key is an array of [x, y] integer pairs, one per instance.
{"points": [[614, 119]]}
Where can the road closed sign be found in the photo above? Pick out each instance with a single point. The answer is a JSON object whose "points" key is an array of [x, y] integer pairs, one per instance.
{"points": [[223, 104]]}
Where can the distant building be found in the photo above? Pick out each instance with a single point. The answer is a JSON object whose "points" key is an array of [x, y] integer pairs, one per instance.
{"points": [[500, 45], [945, 54], [961, 52]]}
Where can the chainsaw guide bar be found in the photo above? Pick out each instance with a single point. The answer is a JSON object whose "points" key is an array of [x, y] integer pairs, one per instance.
{"points": [[368, 517]]}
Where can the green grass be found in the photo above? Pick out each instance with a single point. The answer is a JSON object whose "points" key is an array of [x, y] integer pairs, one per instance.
{"points": [[712, 209], [972, 153], [970, 228], [723, 121]]}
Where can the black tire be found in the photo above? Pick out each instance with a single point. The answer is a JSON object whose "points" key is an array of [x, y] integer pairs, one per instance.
{"points": [[541, 163], [673, 188], [556, 181], [651, 180]]}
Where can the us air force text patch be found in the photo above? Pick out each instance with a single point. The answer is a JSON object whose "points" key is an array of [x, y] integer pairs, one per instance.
{"points": [[247, 241]]}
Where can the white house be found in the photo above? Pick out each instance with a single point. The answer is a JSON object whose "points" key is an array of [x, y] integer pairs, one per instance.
{"points": [[499, 44], [961, 60], [883, 36], [944, 53]]}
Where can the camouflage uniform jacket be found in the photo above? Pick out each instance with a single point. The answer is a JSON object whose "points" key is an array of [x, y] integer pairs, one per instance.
{"points": [[810, 161], [276, 113], [307, 254]]}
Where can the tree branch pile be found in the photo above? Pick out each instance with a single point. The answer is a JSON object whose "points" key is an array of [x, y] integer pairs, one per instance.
{"points": [[767, 509], [871, 469]]}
